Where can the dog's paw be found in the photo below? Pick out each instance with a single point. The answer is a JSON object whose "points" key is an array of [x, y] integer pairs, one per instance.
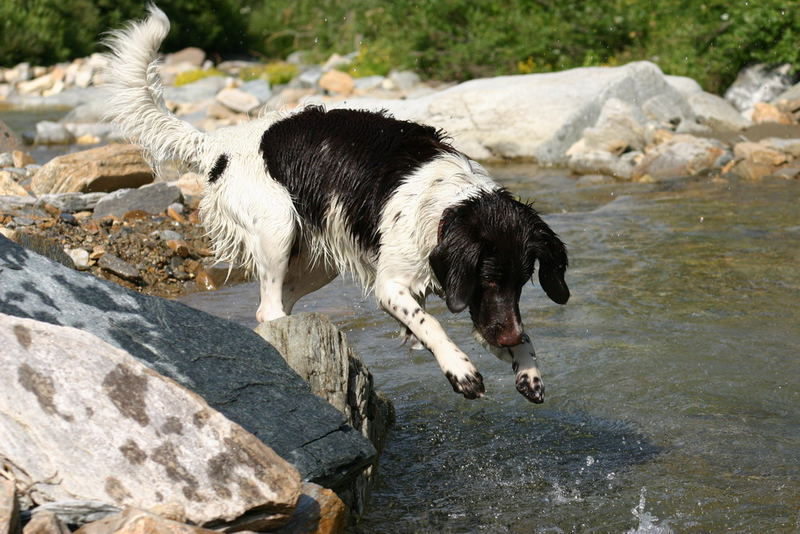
{"points": [[532, 388], [470, 385]]}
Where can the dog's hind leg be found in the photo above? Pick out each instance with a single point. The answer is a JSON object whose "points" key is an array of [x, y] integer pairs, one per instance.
{"points": [[395, 297], [273, 248], [303, 277]]}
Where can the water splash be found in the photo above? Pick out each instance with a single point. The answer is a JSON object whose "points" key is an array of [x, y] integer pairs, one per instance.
{"points": [[647, 521]]}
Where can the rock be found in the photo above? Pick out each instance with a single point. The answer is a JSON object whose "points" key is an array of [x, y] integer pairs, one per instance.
{"points": [[95, 132], [319, 511], [52, 133], [259, 391], [758, 83], [119, 267], [619, 128], [716, 113], [367, 83], [791, 172], [787, 146], [46, 246], [258, 88], [9, 510], [601, 161], [45, 523], [685, 86], [682, 155], [403, 80], [764, 112], [9, 141], [9, 186], [79, 257], [72, 202], [147, 439], [106, 168], [237, 100], [76, 512], [13, 203], [191, 55], [338, 82], [751, 170], [526, 116], [136, 521], [196, 91], [21, 159], [336, 61], [6, 159], [309, 78], [758, 153], [152, 198], [320, 354]]}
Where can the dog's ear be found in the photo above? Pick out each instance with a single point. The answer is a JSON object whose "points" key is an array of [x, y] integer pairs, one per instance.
{"points": [[551, 253], [455, 263]]}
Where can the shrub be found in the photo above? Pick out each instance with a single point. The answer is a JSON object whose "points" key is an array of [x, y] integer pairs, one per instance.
{"points": [[191, 76], [276, 72]]}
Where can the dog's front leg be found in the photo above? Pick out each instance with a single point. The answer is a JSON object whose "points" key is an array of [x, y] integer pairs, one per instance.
{"points": [[522, 358], [396, 299]]}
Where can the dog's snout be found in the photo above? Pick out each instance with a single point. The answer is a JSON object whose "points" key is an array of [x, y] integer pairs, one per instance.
{"points": [[510, 337]]}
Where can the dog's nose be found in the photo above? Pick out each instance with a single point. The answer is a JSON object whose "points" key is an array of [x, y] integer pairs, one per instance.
{"points": [[510, 337]]}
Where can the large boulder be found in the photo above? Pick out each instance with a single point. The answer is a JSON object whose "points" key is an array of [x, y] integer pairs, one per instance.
{"points": [[528, 116], [319, 352], [114, 430], [229, 365], [151, 198], [106, 168]]}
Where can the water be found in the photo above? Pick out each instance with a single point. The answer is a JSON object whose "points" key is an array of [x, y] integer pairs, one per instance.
{"points": [[673, 374]]}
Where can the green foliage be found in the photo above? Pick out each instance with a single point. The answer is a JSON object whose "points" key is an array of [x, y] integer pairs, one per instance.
{"points": [[276, 72], [191, 76], [709, 40]]}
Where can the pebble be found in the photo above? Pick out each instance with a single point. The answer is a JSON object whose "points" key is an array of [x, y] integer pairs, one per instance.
{"points": [[119, 267], [80, 257]]}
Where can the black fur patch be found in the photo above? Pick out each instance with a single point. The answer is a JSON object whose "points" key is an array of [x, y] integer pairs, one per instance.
{"points": [[357, 157], [219, 167]]}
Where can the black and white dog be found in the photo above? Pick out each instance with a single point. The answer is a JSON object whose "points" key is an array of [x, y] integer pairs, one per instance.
{"points": [[300, 198]]}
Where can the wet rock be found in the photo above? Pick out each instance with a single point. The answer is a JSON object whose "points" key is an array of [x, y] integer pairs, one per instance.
{"points": [[147, 439], [681, 155], [45, 523], [337, 82], [716, 113], [319, 511], [106, 168], [319, 352], [152, 198], [9, 510], [758, 83], [237, 100], [9, 186], [259, 391]]}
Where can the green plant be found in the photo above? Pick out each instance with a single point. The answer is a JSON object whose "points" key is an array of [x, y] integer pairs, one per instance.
{"points": [[276, 72], [191, 76]]}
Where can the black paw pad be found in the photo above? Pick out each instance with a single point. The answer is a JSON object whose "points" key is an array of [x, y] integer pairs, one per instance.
{"points": [[471, 386], [531, 388]]}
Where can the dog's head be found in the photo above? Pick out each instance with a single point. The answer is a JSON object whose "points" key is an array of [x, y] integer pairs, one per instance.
{"points": [[487, 249]]}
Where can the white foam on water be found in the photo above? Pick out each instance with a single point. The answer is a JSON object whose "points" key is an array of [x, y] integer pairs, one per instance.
{"points": [[647, 521]]}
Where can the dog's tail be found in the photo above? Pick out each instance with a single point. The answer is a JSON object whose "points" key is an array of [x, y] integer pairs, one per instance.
{"points": [[136, 103]]}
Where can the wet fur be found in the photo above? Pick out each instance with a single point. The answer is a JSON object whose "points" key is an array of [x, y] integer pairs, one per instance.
{"points": [[301, 198]]}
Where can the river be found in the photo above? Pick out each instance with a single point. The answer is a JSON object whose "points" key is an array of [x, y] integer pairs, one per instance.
{"points": [[673, 374]]}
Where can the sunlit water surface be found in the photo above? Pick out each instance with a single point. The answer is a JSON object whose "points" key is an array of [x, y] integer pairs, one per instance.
{"points": [[673, 374]]}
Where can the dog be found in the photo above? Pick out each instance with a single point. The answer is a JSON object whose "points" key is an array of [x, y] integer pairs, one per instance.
{"points": [[299, 198]]}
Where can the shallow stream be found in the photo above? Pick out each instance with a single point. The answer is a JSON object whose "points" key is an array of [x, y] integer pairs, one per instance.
{"points": [[673, 374]]}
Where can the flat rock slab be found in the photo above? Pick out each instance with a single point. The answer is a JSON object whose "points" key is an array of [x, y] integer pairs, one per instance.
{"points": [[152, 198], [97, 424], [229, 365]]}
